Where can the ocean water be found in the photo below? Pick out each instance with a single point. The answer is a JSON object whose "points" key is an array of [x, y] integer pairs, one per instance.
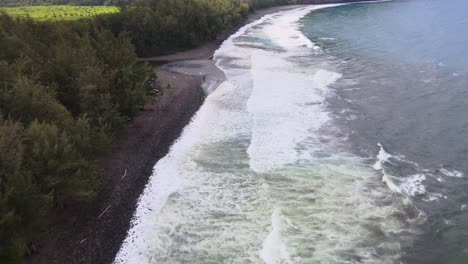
{"points": [[338, 136], [405, 88]]}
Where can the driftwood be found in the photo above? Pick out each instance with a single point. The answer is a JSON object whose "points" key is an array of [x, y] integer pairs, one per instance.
{"points": [[103, 212], [125, 174]]}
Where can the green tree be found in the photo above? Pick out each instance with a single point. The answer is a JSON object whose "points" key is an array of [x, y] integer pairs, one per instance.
{"points": [[11, 158], [56, 166], [26, 101]]}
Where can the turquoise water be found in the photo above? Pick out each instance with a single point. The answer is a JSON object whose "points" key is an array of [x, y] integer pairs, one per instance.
{"points": [[405, 86]]}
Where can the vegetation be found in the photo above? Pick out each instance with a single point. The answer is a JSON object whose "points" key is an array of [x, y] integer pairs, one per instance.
{"points": [[67, 87], [54, 13]]}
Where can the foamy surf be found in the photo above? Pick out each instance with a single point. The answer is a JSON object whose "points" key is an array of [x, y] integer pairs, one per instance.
{"points": [[255, 179], [383, 156], [274, 248], [409, 178], [451, 172], [411, 185], [279, 122]]}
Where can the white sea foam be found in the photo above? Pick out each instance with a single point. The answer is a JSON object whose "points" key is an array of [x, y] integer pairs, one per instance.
{"points": [[274, 248], [388, 180], [285, 31], [383, 156], [286, 107], [451, 172], [413, 184], [430, 197], [410, 185]]}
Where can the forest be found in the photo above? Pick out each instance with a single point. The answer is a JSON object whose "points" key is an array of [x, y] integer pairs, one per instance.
{"points": [[68, 88], [65, 90]]}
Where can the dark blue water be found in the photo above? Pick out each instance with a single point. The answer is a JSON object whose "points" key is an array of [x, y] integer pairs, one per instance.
{"points": [[405, 86]]}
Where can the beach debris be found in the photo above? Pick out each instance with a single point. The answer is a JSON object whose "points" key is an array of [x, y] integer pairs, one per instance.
{"points": [[125, 174], [103, 212]]}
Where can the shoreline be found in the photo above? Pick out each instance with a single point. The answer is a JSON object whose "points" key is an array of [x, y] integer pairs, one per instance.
{"points": [[206, 51], [93, 232]]}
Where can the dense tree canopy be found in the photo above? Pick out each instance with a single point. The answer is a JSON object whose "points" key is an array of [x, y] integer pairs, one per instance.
{"points": [[64, 90]]}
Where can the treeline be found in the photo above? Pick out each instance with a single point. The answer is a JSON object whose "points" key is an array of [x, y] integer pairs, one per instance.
{"points": [[66, 88]]}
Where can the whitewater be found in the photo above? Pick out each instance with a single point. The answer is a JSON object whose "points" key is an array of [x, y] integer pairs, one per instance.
{"points": [[263, 175]]}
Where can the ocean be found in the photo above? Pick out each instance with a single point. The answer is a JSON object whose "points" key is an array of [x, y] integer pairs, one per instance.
{"points": [[339, 135]]}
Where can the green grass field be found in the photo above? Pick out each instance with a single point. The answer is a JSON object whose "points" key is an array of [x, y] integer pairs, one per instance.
{"points": [[55, 13]]}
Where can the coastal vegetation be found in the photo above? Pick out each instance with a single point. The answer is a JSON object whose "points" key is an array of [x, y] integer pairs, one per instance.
{"points": [[67, 88]]}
